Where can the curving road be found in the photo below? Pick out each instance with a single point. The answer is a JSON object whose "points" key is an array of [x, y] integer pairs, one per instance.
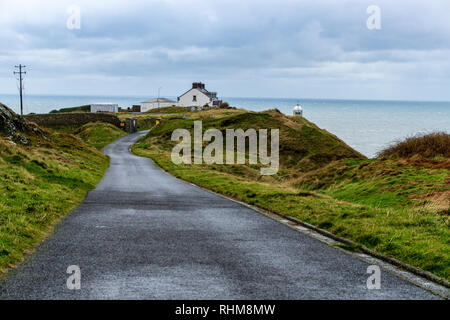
{"points": [[142, 234]]}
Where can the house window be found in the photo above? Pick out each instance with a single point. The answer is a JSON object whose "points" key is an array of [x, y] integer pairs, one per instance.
{"points": [[194, 98]]}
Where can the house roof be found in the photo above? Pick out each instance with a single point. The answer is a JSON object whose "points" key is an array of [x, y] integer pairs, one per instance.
{"points": [[159, 100], [103, 103], [190, 91], [210, 95]]}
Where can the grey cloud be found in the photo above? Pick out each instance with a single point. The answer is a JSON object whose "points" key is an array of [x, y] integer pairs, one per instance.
{"points": [[274, 39]]}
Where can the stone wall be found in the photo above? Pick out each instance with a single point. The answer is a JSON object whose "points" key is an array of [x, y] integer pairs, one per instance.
{"points": [[80, 118]]}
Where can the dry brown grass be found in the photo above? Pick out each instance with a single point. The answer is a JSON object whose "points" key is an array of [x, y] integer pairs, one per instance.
{"points": [[437, 201], [436, 144], [214, 113], [424, 163], [286, 120]]}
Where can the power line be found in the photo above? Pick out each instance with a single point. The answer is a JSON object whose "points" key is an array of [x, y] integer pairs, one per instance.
{"points": [[20, 72]]}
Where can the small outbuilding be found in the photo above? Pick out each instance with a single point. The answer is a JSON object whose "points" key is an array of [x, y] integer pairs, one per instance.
{"points": [[104, 107], [298, 110], [136, 108], [157, 103]]}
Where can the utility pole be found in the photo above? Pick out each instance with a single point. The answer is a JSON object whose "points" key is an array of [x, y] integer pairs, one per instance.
{"points": [[20, 72]]}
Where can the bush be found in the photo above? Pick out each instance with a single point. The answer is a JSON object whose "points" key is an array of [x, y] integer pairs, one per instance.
{"points": [[436, 144]]}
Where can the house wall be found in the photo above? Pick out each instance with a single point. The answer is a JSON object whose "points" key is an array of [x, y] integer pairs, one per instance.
{"points": [[145, 106], [104, 108], [186, 100]]}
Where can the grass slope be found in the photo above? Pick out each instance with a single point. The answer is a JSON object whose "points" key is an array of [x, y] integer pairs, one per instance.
{"points": [[303, 146], [43, 181], [322, 181], [99, 134], [147, 120], [172, 109], [389, 183]]}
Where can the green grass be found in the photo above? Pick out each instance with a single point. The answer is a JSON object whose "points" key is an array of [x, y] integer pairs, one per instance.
{"points": [[372, 202], [172, 109], [42, 182], [99, 134], [387, 183], [303, 146], [147, 121]]}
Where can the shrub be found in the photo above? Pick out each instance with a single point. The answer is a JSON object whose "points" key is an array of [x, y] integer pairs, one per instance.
{"points": [[436, 144]]}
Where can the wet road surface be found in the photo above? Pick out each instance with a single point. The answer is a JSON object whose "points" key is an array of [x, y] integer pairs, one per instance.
{"points": [[142, 234]]}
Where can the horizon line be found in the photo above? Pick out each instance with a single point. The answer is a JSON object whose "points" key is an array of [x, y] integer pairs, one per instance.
{"points": [[224, 97]]}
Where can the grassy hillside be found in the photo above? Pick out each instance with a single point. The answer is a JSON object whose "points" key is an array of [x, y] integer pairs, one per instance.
{"points": [[172, 109], [388, 183], [99, 134], [431, 145], [386, 205], [303, 146], [147, 120], [42, 180]]}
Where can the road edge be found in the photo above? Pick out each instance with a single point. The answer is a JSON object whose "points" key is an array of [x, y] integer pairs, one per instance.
{"points": [[420, 278]]}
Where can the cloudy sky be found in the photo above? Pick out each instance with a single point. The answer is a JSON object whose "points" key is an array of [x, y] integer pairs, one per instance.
{"points": [[240, 48]]}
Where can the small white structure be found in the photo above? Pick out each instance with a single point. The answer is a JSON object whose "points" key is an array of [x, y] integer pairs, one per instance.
{"points": [[298, 110], [197, 97], [104, 107], [157, 103]]}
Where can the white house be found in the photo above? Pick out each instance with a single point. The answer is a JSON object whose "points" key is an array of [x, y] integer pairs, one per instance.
{"points": [[104, 107], [156, 103], [198, 97]]}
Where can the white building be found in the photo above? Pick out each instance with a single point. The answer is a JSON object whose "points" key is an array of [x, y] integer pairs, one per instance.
{"points": [[198, 97], [104, 107], [156, 103], [298, 110]]}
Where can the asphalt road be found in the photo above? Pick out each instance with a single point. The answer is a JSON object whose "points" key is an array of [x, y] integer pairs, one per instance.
{"points": [[142, 234]]}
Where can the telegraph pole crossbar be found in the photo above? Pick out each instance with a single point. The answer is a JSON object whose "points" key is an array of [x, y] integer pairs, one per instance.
{"points": [[20, 72]]}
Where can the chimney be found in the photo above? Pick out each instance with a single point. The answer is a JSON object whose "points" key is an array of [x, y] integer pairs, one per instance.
{"points": [[198, 85]]}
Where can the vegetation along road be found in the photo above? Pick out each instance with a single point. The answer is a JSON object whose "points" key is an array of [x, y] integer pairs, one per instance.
{"points": [[144, 234]]}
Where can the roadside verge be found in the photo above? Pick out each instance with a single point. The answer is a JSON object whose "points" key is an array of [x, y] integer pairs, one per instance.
{"points": [[417, 276]]}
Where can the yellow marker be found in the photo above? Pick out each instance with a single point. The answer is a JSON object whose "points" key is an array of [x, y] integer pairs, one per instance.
{"points": [[122, 124], [157, 122]]}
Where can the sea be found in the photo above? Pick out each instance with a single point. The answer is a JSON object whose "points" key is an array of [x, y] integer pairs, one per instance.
{"points": [[366, 126]]}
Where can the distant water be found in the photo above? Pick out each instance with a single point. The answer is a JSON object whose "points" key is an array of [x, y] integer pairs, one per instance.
{"points": [[367, 126]]}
